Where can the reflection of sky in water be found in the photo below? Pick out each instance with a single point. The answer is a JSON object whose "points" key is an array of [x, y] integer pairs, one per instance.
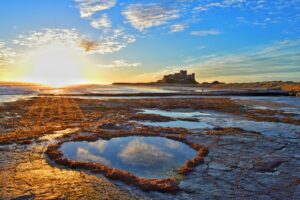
{"points": [[226, 120], [148, 157], [117, 89], [289, 103], [174, 113], [266, 128], [129, 89], [10, 98], [178, 124]]}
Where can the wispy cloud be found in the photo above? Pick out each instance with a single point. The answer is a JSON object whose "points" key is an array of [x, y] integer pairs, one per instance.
{"points": [[109, 42], [143, 16], [7, 55], [205, 32], [89, 7], [266, 12], [121, 63], [138, 152], [280, 60], [206, 5], [32, 39], [85, 155], [102, 22], [177, 28], [100, 145]]}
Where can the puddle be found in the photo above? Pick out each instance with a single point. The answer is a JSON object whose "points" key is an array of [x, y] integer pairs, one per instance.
{"points": [[176, 114], [12, 98], [147, 157], [223, 120], [284, 103], [178, 124], [265, 128]]}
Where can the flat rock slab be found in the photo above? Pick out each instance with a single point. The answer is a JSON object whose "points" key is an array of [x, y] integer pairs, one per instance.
{"points": [[254, 168], [26, 174]]}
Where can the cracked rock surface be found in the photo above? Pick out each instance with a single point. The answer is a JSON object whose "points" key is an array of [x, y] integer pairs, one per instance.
{"points": [[258, 160], [26, 174]]}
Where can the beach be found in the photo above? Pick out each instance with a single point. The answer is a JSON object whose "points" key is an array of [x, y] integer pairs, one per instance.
{"points": [[247, 146]]}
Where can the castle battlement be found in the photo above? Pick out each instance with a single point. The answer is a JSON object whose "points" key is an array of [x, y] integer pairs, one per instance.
{"points": [[179, 78]]}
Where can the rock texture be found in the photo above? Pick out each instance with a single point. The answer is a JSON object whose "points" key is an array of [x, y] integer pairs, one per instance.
{"points": [[26, 174], [258, 160]]}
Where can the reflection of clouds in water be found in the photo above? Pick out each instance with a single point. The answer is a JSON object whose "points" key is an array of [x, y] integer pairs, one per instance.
{"points": [[172, 144], [99, 145], [86, 156], [140, 153]]}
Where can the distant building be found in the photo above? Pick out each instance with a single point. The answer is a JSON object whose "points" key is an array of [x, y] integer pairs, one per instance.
{"points": [[179, 78]]}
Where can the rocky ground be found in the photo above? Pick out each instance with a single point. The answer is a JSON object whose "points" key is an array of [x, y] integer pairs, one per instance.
{"points": [[27, 174], [241, 164]]}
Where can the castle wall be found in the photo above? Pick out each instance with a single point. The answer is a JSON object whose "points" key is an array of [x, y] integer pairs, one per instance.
{"points": [[182, 78]]}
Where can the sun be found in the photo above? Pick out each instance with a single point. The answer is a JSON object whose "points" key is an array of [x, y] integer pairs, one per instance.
{"points": [[55, 65]]}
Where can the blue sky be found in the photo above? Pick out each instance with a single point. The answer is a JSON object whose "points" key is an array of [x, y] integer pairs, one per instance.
{"points": [[226, 40]]}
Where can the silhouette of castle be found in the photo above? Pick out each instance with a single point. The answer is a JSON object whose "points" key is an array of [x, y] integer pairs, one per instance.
{"points": [[181, 78]]}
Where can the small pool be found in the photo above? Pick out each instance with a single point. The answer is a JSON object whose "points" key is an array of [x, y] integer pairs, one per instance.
{"points": [[186, 114], [147, 157], [178, 124]]}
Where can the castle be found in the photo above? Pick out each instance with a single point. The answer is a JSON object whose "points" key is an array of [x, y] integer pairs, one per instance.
{"points": [[179, 78]]}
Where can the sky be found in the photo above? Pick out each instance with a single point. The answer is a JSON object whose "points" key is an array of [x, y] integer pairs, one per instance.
{"points": [[105, 41]]}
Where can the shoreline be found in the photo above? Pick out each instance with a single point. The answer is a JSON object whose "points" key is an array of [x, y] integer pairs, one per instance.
{"points": [[142, 94]]}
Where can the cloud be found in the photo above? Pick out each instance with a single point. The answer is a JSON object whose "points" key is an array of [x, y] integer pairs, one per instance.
{"points": [[172, 144], [143, 16], [276, 61], [33, 39], [120, 64], [7, 55], [201, 47], [265, 12], [102, 22], [84, 155], [99, 145], [177, 28], [109, 42], [206, 5], [140, 153], [205, 32], [88, 45], [89, 7]]}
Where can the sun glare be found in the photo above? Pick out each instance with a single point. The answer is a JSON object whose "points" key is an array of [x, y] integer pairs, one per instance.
{"points": [[55, 65]]}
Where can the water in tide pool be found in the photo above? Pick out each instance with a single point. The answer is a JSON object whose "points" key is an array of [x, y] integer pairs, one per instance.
{"points": [[10, 98], [147, 157], [187, 114], [121, 89], [179, 124], [285, 103], [218, 119], [14, 93]]}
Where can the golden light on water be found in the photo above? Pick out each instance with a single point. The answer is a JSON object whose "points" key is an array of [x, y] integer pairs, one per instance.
{"points": [[55, 65]]}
